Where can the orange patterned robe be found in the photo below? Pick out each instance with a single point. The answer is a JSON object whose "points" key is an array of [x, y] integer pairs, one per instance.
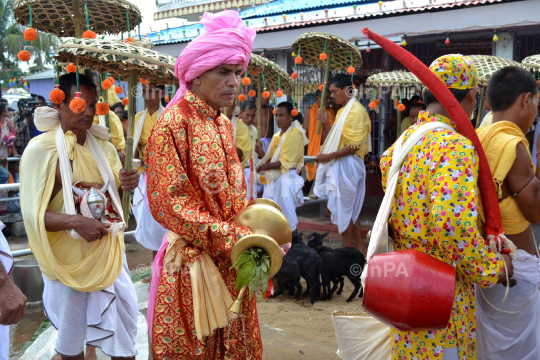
{"points": [[195, 187]]}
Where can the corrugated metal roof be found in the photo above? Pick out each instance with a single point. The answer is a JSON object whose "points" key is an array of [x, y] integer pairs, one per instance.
{"points": [[287, 6], [315, 17], [45, 74], [381, 14]]}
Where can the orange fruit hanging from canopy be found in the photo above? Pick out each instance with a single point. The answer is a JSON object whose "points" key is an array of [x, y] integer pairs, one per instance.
{"points": [[89, 34], [78, 104], [24, 55], [102, 108], [57, 96], [71, 68], [30, 34]]}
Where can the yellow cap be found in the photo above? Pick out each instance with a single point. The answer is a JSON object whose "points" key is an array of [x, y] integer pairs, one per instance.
{"points": [[455, 71]]}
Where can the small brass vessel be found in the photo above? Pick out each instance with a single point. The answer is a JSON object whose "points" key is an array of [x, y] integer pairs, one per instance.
{"points": [[270, 229], [265, 218]]}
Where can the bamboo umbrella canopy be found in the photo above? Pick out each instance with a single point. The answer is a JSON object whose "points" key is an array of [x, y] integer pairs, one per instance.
{"points": [[274, 76], [125, 60], [394, 78], [328, 51], [487, 65], [310, 45], [118, 59], [532, 62], [65, 18]]}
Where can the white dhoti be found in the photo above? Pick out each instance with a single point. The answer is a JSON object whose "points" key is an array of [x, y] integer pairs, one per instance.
{"points": [[344, 185], [511, 329], [287, 192], [106, 318], [149, 233], [6, 260]]}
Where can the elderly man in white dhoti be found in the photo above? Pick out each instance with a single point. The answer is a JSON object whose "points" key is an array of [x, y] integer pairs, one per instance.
{"points": [[70, 201], [279, 167], [149, 233], [12, 300], [341, 176]]}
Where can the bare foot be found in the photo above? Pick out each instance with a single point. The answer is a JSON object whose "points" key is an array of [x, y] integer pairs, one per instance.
{"points": [[146, 280], [90, 353]]}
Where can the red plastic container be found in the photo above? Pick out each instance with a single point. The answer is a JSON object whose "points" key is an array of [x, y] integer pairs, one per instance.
{"points": [[409, 290]]}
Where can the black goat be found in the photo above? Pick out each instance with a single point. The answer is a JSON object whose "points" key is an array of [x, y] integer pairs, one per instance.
{"points": [[315, 241], [288, 276], [338, 263], [310, 264]]}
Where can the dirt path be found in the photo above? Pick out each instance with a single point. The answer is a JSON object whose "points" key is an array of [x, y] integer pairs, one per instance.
{"points": [[295, 329]]}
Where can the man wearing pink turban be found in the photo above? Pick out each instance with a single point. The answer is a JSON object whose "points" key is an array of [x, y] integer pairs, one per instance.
{"points": [[195, 188]]}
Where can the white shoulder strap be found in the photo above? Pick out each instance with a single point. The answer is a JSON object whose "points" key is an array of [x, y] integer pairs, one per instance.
{"points": [[66, 174], [379, 233]]}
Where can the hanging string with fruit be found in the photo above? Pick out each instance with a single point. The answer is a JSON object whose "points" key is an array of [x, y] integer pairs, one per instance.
{"points": [[30, 35]]}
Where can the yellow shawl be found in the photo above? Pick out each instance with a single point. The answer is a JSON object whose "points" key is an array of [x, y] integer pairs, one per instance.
{"points": [[499, 142], [117, 131], [243, 141], [77, 263]]}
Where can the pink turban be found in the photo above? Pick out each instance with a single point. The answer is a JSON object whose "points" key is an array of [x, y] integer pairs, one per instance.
{"points": [[227, 41]]}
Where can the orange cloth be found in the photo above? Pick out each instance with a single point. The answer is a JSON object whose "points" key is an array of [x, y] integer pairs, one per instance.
{"points": [[315, 143], [195, 188]]}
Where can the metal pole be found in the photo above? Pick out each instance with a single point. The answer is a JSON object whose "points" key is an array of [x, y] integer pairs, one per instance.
{"points": [[132, 83], [480, 107], [259, 105], [325, 86]]}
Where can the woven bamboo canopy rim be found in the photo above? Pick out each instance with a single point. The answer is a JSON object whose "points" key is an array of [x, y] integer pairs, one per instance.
{"points": [[118, 59], [487, 65], [312, 45], [271, 72], [532, 61], [394, 78], [57, 16]]}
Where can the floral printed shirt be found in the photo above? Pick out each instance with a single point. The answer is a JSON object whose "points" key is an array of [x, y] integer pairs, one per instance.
{"points": [[435, 211]]}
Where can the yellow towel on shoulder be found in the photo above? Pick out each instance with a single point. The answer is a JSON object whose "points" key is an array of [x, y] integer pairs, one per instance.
{"points": [[499, 142]]}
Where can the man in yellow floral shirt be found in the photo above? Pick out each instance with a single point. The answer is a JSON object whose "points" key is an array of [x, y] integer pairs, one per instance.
{"points": [[435, 211]]}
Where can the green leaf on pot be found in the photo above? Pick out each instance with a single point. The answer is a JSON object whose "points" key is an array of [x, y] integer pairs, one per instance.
{"points": [[242, 259], [245, 274]]}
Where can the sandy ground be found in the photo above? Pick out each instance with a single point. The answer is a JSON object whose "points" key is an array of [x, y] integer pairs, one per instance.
{"points": [[295, 329], [291, 329]]}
